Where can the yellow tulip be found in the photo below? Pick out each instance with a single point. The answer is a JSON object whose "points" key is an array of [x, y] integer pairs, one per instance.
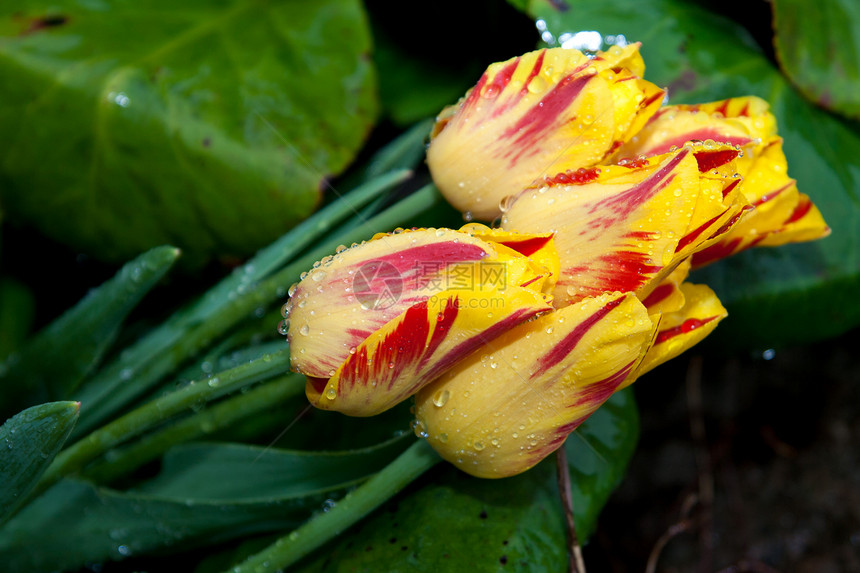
{"points": [[374, 323], [781, 214], [535, 115], [606, 201]]}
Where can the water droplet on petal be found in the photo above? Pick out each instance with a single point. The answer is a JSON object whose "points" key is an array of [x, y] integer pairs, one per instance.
{"points": [[304, 330], [441, 397], [284, 327]]}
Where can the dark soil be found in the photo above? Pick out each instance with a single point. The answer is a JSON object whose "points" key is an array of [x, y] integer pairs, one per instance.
{"points": [[762, 473]]}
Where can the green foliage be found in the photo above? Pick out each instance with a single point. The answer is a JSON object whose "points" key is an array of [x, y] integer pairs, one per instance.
{"points": [[204, 494], [818, 46], [28, 443], [774, 296], [162, 125], [450, 518], [57, 359]]}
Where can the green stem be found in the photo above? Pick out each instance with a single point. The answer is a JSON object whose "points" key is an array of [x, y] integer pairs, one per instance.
{"points": [[214, 418], [325, 526], [74, 458]]}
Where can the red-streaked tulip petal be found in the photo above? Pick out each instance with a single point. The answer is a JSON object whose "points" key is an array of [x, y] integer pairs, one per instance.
{"points": [[667, 296], [506, 407], [539, 113], [418, 346], [624, 228], [538, 248], [680, 330], [743, 122], [349, 296], [782, 214]]}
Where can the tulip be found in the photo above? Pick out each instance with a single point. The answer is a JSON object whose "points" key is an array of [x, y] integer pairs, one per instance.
{"points": [[503, 409], [534, 115], [374, 323], [626, 227], [782, 214], [606, 201]]}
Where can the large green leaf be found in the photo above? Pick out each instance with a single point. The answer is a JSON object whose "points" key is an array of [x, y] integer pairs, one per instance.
{"points": [[205, 494], [783, 295], [135, 123], [28, 443], [453, 520], [818, 46], [53, 363]]}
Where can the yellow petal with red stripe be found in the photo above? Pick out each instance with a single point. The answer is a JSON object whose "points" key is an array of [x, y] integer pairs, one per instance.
{"points": [[539, 113], [680, 330], [782, 214], [624, 228], [539, 249], [743, 122], [349, 296], [667, 296], [512, 403], [418, 346]]}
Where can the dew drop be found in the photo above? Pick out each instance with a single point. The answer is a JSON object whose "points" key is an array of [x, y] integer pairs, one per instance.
{"points": [[443, 438], [331, 393], [537, 85], [304, 330], [478, 446], [419, 429], [441, 397], [491, 91], [284, 327]]}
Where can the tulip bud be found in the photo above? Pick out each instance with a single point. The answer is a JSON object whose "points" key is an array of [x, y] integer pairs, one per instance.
{"points": [[373, 324], [624, 228], [537, 115], [782, 214], [502, 410]]}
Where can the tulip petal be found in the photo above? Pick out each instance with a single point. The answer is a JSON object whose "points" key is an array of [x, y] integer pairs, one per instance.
{"points": [[538, 113], [667, 296], [418, 346], [782, 214], [624, 228], [351, 295], [741, 122], [680, 330], [503, 409]]}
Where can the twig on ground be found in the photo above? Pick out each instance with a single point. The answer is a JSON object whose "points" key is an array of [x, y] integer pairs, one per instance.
{"points": [[575, 561]]}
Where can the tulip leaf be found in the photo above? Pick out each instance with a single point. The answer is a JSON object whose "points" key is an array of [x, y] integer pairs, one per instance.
{"points": [[57, 359], [818, 47], [162, 125], [206, 493], [451, 519], [28, 443], [775, 296]]}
